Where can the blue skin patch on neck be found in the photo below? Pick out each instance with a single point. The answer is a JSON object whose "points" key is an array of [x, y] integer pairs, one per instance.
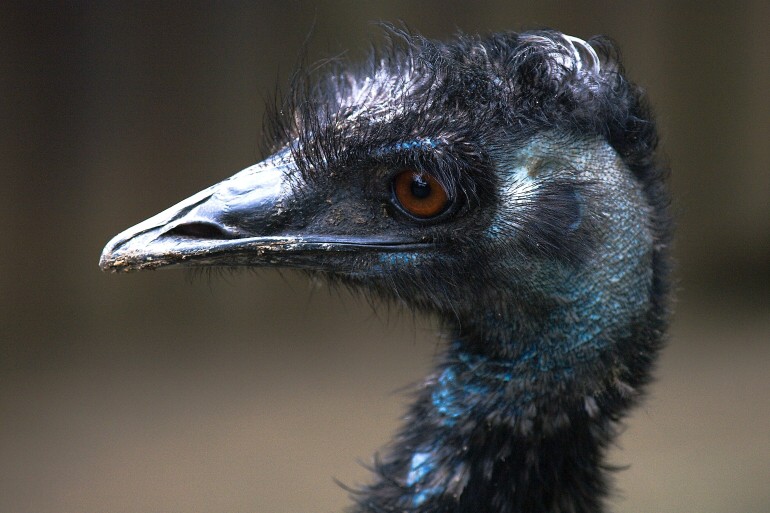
{"points": [[419, 468], [445, 397], [423, 495], [474, 382]]}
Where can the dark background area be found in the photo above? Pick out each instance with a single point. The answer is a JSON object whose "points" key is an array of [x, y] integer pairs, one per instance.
{"points": [[155, 392]]}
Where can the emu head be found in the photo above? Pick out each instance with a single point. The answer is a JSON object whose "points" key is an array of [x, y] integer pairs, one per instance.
{"points": [[506, 184]]}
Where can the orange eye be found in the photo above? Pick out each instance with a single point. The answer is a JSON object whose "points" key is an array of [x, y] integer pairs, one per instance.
{"points": [[420, 194]]}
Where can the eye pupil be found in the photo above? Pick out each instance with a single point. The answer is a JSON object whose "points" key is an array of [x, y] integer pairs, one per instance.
{"points": [[420, 188], [419, 194]]}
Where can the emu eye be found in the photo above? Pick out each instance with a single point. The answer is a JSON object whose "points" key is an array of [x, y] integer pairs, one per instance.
{"points": [[419, 194]]}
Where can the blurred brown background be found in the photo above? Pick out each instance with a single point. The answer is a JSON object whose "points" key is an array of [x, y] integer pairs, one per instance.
{"points": [[154, 392]]}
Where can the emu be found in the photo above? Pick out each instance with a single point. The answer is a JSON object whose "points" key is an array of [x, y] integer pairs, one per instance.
{"points": [[508, 185]]}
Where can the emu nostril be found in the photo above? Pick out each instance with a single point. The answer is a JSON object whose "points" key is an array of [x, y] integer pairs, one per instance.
{"points": [[200, 230]]}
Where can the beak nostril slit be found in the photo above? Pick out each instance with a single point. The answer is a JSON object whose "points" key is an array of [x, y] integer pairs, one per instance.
{"points": [[199, 230]]}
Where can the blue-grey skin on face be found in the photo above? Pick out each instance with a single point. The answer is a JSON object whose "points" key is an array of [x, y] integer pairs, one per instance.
{"points": [[545, 256]]}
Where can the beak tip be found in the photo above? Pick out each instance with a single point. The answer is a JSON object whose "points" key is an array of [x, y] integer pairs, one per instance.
{"points": [[107, 260], [135, 250], [111, 262], [116, 257]]}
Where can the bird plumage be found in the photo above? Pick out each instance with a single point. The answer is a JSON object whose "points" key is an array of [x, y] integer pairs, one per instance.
{"points": [[545, 257]]}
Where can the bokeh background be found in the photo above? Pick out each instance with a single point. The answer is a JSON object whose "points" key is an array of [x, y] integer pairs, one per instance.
{"points": [[251, 392]]}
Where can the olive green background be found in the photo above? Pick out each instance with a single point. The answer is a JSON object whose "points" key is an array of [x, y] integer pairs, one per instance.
{"points": [[249, 392]]}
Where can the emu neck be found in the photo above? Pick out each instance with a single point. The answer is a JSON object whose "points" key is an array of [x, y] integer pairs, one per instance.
{"points": [[481, 439]]}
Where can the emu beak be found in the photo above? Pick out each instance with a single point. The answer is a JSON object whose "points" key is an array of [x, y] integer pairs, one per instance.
{"points": [[251, 218]]}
